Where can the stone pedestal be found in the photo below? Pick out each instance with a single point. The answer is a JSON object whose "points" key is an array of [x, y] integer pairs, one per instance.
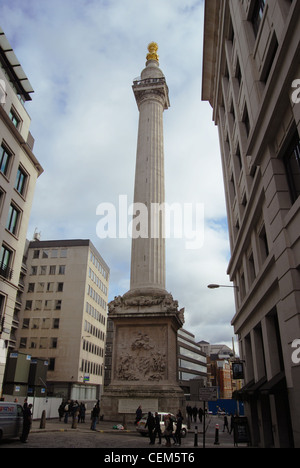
{"points": [[144, 364]]}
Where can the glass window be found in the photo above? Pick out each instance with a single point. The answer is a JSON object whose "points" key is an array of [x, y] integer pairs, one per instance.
{"points": [[14, 118], [21, 181], [36, 254], [25, 323], [40, 287], [4, 160], [291, 161], [12, 220], [45, 323], [55, 323], [35, 323], [5, 262], [192, 365], [23, 342], [43, 342], [61, 269], [258, 14]]}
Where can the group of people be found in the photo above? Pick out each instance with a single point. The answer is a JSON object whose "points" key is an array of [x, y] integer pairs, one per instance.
{"points": [[154, 428], [73, 409], [194, 412], [226, 425]]}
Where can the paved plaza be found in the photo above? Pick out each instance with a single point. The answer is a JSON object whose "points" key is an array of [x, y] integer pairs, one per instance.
{"points": [[57, 434]]}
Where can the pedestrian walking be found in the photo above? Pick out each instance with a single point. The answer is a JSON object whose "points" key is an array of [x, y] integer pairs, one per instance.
{"points": [[81, 416], [27, 421], [138, 414], [157, 428], [94, 416], [169, 430], [61, 410], [150, 423], [200, 414], [178, 428], [225, 424], [195, 413], [67, 411]]}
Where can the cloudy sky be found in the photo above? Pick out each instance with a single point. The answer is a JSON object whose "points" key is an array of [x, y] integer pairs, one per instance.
{"points": [[81, 57]]}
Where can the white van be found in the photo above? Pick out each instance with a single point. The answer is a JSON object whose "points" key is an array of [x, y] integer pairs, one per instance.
{"points": [[11, 420]]}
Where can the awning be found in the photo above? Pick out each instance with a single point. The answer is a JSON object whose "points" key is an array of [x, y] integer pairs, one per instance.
{"points": [[273, 385], [13, 68], [261, 387]]}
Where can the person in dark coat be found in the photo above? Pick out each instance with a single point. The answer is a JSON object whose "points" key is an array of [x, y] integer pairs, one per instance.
{"points": [[195, 413], [94, 416], [169, 430], [178, 428], [27, 421], [225, 424], [150, 423], [157, 428], [138, 415]]}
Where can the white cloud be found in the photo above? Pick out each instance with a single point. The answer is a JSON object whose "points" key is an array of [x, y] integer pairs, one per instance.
{"points": [[81, 57]]}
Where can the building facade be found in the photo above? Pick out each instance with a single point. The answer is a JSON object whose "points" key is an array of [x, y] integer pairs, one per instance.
{"points": [[192, 362], [19, 170], [250, 75], [64, 313]]}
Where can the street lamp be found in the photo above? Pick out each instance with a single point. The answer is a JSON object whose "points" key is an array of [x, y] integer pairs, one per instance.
{"points": [[215, 286]]}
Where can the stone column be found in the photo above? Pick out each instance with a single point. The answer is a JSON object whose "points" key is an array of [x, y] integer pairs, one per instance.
{"points": [[148, 268]]}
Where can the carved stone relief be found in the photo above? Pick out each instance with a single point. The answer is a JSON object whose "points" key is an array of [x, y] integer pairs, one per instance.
{"points": [[142, 359]]}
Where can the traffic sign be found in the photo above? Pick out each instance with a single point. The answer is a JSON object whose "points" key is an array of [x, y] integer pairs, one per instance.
{"points": [[208, 393]]}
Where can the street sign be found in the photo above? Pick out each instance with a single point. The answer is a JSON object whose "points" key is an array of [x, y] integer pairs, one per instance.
{"points": [[208, 394]]}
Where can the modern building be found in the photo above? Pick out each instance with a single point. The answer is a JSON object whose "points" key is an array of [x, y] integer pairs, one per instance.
{"points": [[250, 77], [192, 362], [19, 170], [64, 313]]}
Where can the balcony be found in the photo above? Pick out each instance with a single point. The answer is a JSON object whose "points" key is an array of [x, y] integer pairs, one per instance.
{"points": [[5, 271]]}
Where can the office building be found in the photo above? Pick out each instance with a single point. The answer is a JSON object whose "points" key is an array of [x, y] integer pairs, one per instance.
{"points": [[250, 75], [192, 362], [64, 313], [19, 170]]}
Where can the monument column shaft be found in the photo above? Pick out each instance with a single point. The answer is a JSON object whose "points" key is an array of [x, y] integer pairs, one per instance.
{"points": [[148, 252], [146, 318]]}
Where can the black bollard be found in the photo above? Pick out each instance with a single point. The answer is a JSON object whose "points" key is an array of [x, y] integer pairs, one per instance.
{"points": [[196, 437], [43, 420], [216, 442]]}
